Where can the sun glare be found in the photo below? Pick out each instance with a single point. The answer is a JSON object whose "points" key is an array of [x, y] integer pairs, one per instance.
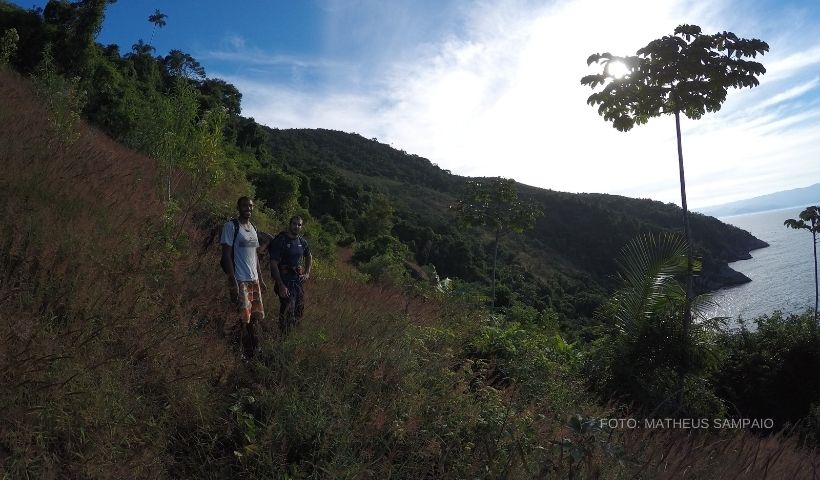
{"points": [[617, 69]]}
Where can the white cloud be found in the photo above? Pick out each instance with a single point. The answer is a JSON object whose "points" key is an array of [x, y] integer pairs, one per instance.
{"points": [[504, 98], [239, 53], [282, 107], [790, 94], [235, 42], [795, 62]]}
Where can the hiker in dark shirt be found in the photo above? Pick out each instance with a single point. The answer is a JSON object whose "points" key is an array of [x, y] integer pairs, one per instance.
{"points": [[289, 271]]}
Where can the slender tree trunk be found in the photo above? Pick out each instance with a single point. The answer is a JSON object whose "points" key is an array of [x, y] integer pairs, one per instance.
{"points": [[495, 257], [687, 314], [816, 291]]}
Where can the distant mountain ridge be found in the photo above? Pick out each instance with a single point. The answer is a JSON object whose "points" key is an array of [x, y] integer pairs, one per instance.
{"points": [[797, 197]]}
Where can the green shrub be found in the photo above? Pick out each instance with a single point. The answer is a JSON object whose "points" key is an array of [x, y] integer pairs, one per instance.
{"points": [[642, 355], [534, 359], [382, 245], [8, 46], [386, 268], [63, 97], [322, 243], [771, 371]]}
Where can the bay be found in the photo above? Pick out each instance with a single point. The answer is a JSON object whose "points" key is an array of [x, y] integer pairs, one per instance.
{"points": [[782, 274]]}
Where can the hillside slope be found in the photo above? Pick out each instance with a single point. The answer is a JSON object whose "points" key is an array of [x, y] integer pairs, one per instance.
{"points": [[96, 308], [113, 364], [576, 238]]}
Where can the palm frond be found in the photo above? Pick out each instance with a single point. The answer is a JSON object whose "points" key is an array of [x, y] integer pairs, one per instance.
{"points": [[648, 267]]}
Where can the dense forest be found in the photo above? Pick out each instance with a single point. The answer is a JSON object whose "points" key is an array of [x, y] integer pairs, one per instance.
{"points": [[572, 242], [411, 363]]}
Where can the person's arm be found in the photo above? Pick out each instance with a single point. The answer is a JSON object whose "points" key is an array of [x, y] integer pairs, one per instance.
{"points": [[227, 261], [308, 263], [264, 243], [277, 277], [262, 284]]}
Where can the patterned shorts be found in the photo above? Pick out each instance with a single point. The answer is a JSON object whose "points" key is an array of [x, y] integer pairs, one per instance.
{"points": [[250, 301]]}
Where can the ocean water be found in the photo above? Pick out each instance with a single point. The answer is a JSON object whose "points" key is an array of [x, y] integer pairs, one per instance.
{"points": [[782, 274]]}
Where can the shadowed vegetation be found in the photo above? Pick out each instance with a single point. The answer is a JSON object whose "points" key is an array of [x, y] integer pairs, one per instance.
{"points": [[809, 219]]}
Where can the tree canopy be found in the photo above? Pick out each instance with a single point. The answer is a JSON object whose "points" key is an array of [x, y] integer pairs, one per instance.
{"points": [[809, 219], [494, 203], [688, 72]]}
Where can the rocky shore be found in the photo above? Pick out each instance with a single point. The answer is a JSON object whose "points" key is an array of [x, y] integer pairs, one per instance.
{"points": [[722, 275]]}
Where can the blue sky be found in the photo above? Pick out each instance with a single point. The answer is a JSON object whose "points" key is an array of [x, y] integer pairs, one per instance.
{"points": [[492, 87]]}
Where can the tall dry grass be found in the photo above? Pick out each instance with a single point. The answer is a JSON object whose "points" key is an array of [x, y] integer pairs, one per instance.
{"points": [[363, 390], [102, 375], [729, 454]]}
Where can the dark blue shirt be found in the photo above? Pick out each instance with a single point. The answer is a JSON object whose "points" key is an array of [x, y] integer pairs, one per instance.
{"points": [[288, 252]]}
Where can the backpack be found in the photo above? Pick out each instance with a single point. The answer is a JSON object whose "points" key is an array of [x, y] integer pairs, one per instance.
{"points": [[235, 223], [281, 235]]}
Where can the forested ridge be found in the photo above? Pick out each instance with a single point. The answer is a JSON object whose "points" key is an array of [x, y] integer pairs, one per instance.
{"points": [[568, 251], [119, 169]]}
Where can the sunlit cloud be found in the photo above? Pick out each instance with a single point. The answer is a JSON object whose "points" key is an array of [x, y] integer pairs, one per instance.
{"points": [[238, 53], [503, 98], [793, 63], [235, 42], [794, 92]]}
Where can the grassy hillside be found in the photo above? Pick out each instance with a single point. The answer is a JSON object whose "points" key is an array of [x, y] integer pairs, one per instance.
{"points": [[107, 364], [113, 364]]}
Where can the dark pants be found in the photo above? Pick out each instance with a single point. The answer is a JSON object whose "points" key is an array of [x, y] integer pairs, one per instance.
{"points": [[296, 301], [244, 334], [248, 337], [245, 330]]}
